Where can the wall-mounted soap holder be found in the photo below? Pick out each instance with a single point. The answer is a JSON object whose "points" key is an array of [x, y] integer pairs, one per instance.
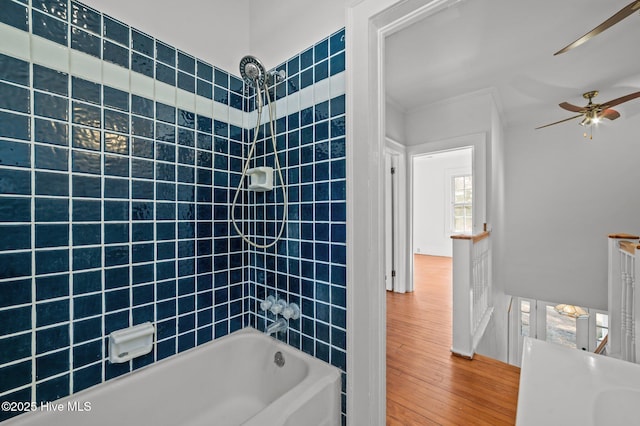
{"points": [[260, 179], [131, 342]]}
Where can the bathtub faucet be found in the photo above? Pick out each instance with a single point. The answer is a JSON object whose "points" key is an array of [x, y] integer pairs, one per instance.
{"points": [[277, 326]]}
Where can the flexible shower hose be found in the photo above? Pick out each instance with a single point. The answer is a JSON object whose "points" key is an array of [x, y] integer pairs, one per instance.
{"points": [[246, 167]]}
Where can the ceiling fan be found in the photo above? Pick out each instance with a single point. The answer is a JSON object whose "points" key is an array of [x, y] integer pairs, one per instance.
{"points": [[593, 113], [619, 16]]}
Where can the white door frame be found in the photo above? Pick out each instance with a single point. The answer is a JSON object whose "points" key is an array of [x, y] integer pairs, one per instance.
{"points": [[395, 156], [368, 24]]}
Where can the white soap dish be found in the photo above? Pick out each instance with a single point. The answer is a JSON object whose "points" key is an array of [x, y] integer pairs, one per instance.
{"points": [[131, 342], [260, 179]]}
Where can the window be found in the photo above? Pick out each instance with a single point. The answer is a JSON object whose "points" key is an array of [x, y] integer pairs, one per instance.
{"points": [[602, 327], [525, 316], [462, 207]]}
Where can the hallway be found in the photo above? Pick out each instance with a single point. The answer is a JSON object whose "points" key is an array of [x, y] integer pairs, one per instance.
{"points": [[426, 384]]}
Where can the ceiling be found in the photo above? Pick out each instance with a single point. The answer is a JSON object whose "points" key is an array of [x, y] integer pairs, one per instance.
{"points": [[508, 45]]}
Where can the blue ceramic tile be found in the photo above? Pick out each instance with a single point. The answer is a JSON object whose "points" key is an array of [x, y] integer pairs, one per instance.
{"points": [[15, 375], [87, 377], [50, 28], [85, 90], [142, 232], [142, 64], [186, 63], [87, 306], [142, 106], [52, 132], [86, 138], [221, 78], [87, 354], [321, 71], [116, 31], [116, 54], [115, 321], [205, 71], [116, 300], [142, 168], [116, 166], [14, 14], [87, 186], [15, 292], [115, 143], [50, 80], [86, 162], [116, 121], [57, 8], [14, 70], [13, 320], [15, 154], [186, 82], [52, 338], [142, 127], [116, 277], [52, 210], [165, 53], [186, 119], [52, 286], [51, 106], [142, 190], [52, 236], [221, 95], [52, 312], [337, 105], [115, 233], [85, 42], [293, 66], [165, 113], [15, 126], [86, 234], [337, 64], [337, 42], [142, 43], [87, 282], [15, 181], [87, 330], [142, 211], [165, 74], [15, 348], [321, 50], [116, 211], [116, 98], [86, 211], [143, 273], [116, 255], [51, 158], [14, 98], [235, 101], [50, 261], [204, 89], [53, 389], [306, 58], [85, 17]]}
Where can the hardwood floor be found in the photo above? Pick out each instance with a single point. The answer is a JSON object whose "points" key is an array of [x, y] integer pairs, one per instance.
{"points": [[426, 384]]}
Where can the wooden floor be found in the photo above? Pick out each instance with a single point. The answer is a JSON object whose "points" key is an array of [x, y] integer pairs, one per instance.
{"points": [[426, 384]]}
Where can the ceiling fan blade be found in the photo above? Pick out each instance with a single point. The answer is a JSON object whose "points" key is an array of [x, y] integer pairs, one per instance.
{"points": [[609, 113], [620, 100], [622, 13], [558, 122], [571, 107]]}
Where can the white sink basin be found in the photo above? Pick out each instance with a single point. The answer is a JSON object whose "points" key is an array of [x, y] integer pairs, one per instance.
{"points": [[559, 386]]}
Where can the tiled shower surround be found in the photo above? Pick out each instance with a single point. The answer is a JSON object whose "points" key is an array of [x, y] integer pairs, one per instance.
{"points": [[119, 159]]}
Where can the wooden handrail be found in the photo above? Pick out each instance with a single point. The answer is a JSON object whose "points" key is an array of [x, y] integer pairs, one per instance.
{"points": [[475, 238], [624, 236], [601, 347], [628, 246]]}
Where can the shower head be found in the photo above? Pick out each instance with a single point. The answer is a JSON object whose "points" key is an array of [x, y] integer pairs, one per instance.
{"points": [[252, 71]]}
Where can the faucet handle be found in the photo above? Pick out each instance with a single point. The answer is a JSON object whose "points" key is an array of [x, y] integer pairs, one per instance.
{"points": [[278, 307], [267, 303], [292, 311]]}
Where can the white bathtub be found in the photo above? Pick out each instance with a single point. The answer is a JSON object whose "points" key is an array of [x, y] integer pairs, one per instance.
{"points": [[230, 381]]}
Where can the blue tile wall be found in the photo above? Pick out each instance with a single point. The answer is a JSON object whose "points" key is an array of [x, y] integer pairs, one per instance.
{"points": [[115, 207]]}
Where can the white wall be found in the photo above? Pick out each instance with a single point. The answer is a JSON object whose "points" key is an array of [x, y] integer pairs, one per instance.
{"points": [[564, 194], [282, 28], [207, 29], [394, 122], [459, 116], [432, 199]]}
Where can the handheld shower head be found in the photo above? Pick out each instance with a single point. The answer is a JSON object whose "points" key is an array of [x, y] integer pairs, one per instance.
{"points": [[252, 71]]}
